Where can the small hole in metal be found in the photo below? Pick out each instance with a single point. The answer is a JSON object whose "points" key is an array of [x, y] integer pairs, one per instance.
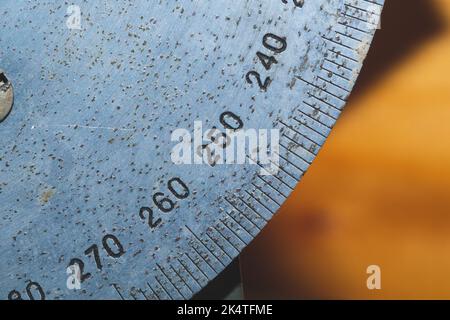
{"points": [[6, 96]]}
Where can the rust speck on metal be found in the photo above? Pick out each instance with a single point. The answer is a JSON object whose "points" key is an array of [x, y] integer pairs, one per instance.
{"points": [[46, 195]]}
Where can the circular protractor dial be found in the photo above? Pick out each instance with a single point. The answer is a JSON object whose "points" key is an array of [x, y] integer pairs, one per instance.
{"points": [[150, 141]]}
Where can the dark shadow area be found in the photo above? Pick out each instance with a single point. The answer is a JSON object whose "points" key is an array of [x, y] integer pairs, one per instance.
{"points": [[405, 26], [226, 286]]}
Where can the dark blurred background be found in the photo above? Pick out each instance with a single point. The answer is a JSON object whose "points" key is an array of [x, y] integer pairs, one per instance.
{"points": [[379, 191]]}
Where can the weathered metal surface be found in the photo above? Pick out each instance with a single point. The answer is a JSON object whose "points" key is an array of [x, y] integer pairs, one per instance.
{"points": [[86, 177]]}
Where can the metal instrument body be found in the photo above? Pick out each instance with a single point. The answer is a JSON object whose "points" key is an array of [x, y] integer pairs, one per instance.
{"points": [[85, 164]]}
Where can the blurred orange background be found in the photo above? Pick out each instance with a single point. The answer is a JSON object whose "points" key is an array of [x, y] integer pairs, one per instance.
{"points": [[379, 191]]}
